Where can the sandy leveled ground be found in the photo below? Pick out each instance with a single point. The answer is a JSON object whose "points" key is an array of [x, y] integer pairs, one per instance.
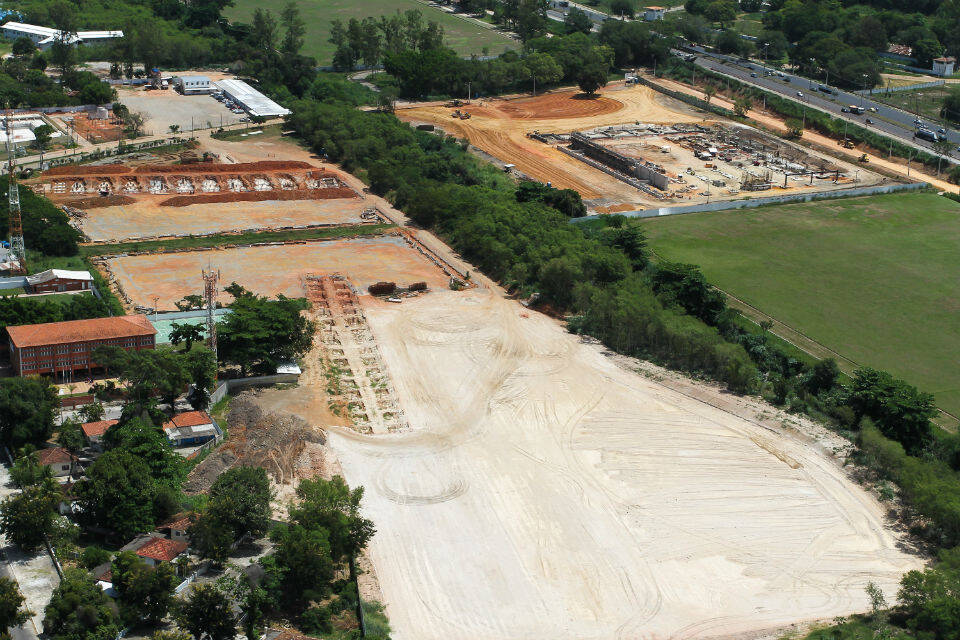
{"points": [[146, 219], [269, 270], [544, 492]]}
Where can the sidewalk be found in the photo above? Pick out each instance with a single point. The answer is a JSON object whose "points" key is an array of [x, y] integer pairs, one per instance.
{"points": [[34, 572]]}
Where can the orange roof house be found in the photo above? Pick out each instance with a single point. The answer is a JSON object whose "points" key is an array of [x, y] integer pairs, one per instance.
{"points": [[157, 550]]}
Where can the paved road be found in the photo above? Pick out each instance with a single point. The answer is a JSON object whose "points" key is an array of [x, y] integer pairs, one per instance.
{"points": [[887, 120]]}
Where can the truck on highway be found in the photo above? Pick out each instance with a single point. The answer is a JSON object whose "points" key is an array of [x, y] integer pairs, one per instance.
{"points": [[857, 110], [926, 134]]}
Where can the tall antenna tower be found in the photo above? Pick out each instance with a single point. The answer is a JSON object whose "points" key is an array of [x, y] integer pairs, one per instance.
{"points": [[210, 280], [17, 249]]}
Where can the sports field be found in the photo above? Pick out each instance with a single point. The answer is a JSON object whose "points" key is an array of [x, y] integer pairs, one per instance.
{"points": [[874, 279], [463, 35]]}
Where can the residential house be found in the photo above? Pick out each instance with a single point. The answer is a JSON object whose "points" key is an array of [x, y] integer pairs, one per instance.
{"points": [[190, 429], [59, 280], [157, 550], [176, 528], [93, 432], [61, 462]]}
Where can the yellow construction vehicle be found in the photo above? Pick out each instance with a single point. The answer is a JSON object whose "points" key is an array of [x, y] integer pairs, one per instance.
{"points": [[847, 143], [863, 158]]}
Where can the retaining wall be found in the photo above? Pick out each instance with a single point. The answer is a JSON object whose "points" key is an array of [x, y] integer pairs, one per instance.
{"points": [[228, 386]]}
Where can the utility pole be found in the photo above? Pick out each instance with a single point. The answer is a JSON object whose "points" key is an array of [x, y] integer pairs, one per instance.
{"points": [[17, 249], [210, 280]]}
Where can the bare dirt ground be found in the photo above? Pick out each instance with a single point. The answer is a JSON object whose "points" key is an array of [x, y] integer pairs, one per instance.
{"points": [[146, 219], [500, 128], [269, 270], [544, 491], [896, 165]]}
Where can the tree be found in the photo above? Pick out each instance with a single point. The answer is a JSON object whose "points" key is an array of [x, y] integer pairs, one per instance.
{"points": [[186, 333], [27, 470], [942, 147], [144, 592], [708, 92], [133, 121], [333, 506], [951, 105], [263, 31], [26, 518], [623, 8], [823, 376], [11, 612], [80, 610], [117, 493], [148, 443], [70, 436], [190, 302], [591, 78], [722, 11], [23, 46], [741, 105], [206, 613], [27, 409], [43, 133], [295, 29], [305, 561], [211, 538], [254, 602], [92, 412], [263, 333], [544, 68], [794, 127], [149, 372], [577, 21], [900, 411], [240, 499]]}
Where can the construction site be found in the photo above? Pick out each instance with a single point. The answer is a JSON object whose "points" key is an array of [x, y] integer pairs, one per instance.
{"points": [[634, 148], [117, 202], [524, 482]]}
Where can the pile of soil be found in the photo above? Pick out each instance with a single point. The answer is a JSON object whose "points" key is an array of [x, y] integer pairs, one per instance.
{"points": [[99, 201], [274, 441]]}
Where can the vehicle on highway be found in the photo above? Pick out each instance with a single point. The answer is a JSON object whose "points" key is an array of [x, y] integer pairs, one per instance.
{"points": [[942, 131], [856, 110], [844, 110], [926, 134], [799, 94], [753, 75], [869, 121], [873, 109]]}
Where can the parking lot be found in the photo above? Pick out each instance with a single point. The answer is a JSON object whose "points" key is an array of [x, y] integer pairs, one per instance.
{"points": [[165, 107]]}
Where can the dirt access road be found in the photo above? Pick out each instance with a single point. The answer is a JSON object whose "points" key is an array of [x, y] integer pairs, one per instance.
{"points": [[545, 492]]}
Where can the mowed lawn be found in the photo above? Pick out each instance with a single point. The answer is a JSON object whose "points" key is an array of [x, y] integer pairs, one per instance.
{"points": [[465, 36], [876, 279]]}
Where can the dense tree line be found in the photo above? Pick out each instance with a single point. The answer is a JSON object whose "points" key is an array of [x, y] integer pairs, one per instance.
{"points": [[17, 310], [46, 228]]}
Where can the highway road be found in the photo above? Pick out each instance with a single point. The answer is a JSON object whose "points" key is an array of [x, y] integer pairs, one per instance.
{"points": [[886, 120]]}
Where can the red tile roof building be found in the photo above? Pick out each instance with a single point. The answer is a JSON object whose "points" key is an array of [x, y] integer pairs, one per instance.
{"points": [[161, 550], [59, 347], [96, 429], [58, 459], [190, 428]]}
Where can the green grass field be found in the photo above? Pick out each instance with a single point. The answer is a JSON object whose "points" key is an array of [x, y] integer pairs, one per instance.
{"points": [[465, 36], [874, 279], [927, 102]]}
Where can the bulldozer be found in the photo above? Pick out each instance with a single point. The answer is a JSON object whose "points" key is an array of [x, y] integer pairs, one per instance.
{"points": [[846, 142], [862, 158]]}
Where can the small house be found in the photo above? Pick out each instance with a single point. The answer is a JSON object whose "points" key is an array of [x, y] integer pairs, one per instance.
{"points": [[944, 66], [653, 13], [190, 429], [176, 528], [190, 85], [158, 550], [59, 280], [93, 432], [60, 461]]}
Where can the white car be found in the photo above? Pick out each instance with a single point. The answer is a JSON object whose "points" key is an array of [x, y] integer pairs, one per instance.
{"points": [[799, 94]]}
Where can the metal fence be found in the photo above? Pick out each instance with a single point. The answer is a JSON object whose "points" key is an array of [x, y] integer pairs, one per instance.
{"points": [[723, 205], [908, 87]]}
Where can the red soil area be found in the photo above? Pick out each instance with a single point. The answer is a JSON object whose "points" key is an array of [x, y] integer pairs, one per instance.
{"points": [[258, 196], [93, 170], [100, 201], [557, 105]]}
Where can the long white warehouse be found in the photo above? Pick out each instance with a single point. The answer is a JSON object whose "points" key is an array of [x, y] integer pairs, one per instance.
{"points": [[44, 37], [252, 101]]}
